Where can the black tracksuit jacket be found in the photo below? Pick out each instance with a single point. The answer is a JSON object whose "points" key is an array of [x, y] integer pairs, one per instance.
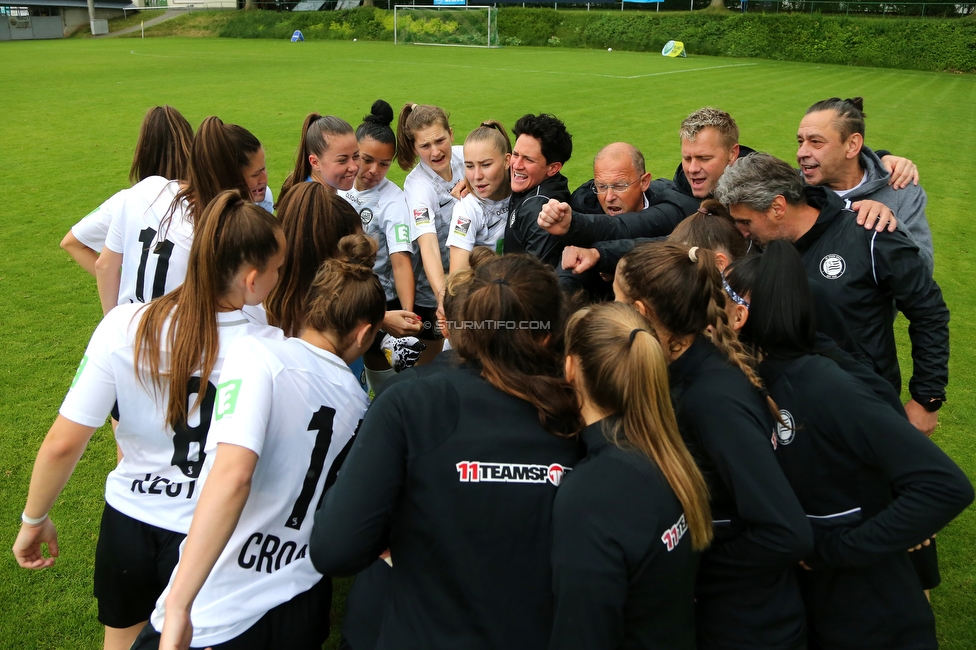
{"points": [[862, 272], [623, 570], [846, 456], [667, 208], [522, 231], [747, 594], [457, 479]]}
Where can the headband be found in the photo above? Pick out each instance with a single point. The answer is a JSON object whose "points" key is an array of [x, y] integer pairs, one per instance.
{"points": [[736, 298]]}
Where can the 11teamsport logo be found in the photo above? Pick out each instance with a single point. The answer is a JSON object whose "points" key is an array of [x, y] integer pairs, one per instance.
{"points": [[477, 471]]}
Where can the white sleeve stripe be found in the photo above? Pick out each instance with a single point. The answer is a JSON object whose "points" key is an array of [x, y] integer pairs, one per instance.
{"points": [[874, 266]]}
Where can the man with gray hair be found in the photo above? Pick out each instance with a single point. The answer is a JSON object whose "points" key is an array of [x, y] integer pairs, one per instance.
{"points": [[860, 271]]}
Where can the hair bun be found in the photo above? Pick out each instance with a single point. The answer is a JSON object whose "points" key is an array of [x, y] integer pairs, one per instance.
{"points": [[357, 251], [380, 113], [857, 102]]}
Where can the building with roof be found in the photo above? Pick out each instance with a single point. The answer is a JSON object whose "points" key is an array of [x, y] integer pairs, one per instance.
{"points": [[22, 20]]}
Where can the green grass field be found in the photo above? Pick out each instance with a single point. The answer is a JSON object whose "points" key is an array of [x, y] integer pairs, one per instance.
{"points": [[69, 117]]}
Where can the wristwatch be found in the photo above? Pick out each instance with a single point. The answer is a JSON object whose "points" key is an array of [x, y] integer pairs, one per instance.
{"points": [[932, 404]]}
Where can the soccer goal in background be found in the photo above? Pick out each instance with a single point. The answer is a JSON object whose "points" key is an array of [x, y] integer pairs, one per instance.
{"points": [[462, 26]]}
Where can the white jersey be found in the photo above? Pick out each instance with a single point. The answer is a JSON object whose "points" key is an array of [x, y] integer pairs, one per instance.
{"points": [[153, 263], [383, 211], [268, 202], [478, 222], [297, 407], [157, 481], [93, 228], [431, 207]]}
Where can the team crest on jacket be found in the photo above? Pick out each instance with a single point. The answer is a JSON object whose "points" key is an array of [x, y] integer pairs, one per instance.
{"points": [[832, 266], [785, 430], [476, 471], [366, 215]]}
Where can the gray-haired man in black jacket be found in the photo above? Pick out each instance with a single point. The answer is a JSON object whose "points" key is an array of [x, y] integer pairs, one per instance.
{"points": [[862, 271]]}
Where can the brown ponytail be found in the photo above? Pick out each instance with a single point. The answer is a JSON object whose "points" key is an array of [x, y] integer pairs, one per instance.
{"points": [[314, 220], [316, 131], [218, 156], [163, 149], [712, 227], [414, 117], [345, 291], [233, 233], [515, 306], [683, 287], [623, 371]]}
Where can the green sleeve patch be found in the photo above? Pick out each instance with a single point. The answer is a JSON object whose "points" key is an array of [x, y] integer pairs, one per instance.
{"points": [[402, 233], [81, 368], [227, 393]]}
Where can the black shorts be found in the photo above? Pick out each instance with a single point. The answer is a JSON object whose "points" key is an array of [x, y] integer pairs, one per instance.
{"points": [[301, 623], [133, 563]]}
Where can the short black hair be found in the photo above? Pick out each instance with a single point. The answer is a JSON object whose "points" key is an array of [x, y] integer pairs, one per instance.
{"points": [[556, 141]]}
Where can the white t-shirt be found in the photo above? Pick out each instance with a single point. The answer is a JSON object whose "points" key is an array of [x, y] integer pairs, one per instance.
{"points": [[383, 211], [297, 407], [840, 193], [158, 480], [431, 207], [153, 263], [478, 222], [93, 228], [268, 202]]}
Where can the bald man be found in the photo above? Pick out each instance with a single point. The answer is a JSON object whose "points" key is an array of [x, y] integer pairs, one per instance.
{"points": [[620, 202], [619, 182]]}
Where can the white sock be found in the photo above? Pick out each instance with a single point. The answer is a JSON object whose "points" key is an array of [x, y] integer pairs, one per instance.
{"points": [[375, 378]]}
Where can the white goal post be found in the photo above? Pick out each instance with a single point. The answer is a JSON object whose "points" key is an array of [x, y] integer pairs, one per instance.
{"points": [[451, 25]]}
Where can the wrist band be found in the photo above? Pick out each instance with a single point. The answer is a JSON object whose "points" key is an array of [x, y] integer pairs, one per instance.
{"points": [[32, 521]]}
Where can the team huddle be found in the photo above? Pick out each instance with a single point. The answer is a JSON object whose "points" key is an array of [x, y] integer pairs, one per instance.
{"points": [[647, 413]]}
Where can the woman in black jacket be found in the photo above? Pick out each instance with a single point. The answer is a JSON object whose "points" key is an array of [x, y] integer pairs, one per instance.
{"points": [[631, 518], [746, 593], [455, 473], [872, 485]]}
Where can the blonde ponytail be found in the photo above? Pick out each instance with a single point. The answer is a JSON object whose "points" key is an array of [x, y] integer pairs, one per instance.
{"points": [[624, 371]]}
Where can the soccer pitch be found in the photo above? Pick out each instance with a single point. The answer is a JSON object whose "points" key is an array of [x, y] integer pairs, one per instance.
{"points": [[69, 117]]}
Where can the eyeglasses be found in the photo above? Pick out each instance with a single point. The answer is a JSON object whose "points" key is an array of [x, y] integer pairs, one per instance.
{"points": [[600, 188], [736, 298]]}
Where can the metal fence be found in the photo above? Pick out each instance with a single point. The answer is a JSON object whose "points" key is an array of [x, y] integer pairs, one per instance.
{"points": [[882, 9]]}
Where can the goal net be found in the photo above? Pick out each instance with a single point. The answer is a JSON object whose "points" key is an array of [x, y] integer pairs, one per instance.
{"points": [[463, 26]]}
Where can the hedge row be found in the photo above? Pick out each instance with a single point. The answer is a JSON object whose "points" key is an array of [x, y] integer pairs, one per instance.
{"points": [[910, 43]]}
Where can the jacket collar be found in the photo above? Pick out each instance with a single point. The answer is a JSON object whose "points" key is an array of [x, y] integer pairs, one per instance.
{"points": [[831, 207], [551, 184], [595, 436], [686, 367]]}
